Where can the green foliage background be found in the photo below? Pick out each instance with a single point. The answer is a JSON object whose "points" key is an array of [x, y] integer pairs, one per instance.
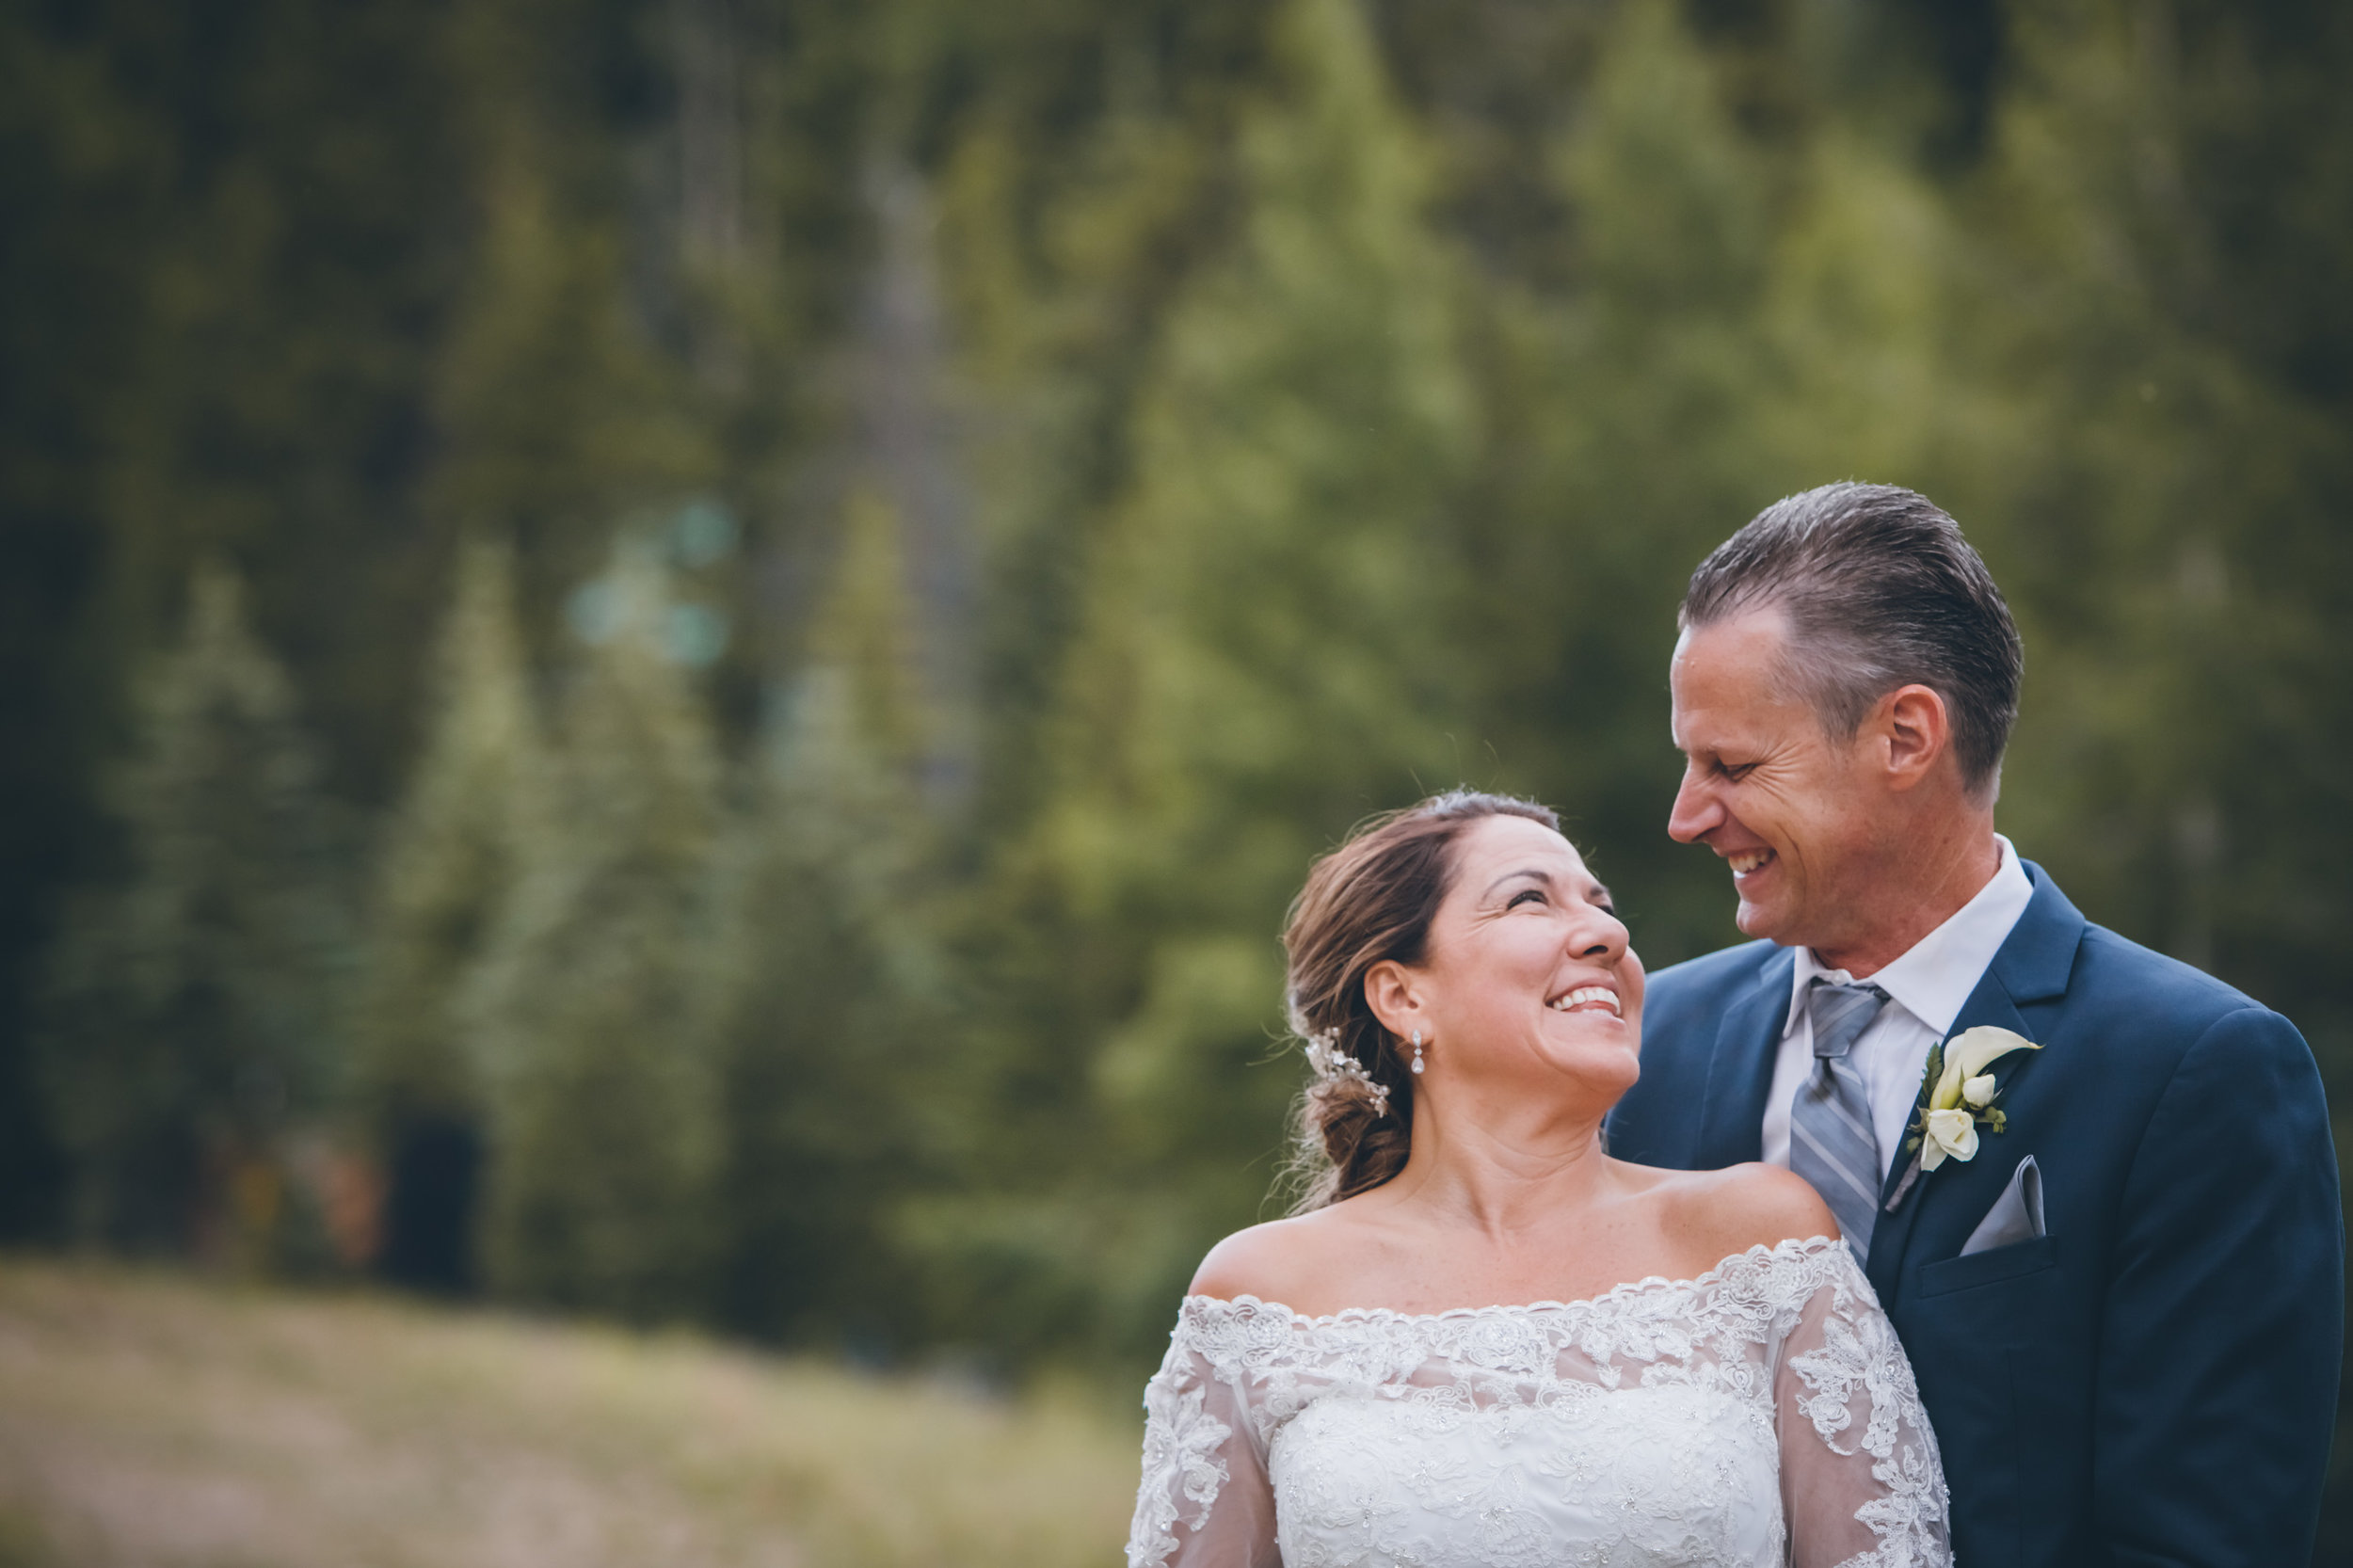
{"points": [[936, 511]]}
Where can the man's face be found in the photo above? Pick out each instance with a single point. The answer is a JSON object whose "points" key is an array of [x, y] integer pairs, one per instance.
{"points": [[1796, 815]]}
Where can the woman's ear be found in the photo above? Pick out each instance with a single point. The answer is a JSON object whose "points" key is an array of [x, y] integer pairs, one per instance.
{"points": [[1389, 991]]}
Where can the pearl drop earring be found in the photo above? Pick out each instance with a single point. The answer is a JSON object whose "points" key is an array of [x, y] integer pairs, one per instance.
{"points": [[1417, 1062]]}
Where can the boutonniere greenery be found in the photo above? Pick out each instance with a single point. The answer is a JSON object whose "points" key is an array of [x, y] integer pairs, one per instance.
{"points": [[1959, 1095]]}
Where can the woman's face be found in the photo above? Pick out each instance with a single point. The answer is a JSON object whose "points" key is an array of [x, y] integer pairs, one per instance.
{"points": [[1527, 973]]}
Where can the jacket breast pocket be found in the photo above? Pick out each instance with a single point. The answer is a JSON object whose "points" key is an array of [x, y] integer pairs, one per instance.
{"points": [[2016, 1261]]}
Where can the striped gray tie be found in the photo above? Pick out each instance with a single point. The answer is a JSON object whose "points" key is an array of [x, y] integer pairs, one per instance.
{"points": [[1830, 1141]]}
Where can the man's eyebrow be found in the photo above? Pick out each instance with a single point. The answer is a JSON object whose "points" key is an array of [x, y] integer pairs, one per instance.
{"points": [[1601, 895]]}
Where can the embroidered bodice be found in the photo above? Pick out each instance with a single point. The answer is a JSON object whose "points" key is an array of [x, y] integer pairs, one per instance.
{"points": [[1758, 1415]]}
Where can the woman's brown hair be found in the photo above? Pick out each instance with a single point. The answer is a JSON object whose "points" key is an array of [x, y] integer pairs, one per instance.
{"points": [[1368, 902]]}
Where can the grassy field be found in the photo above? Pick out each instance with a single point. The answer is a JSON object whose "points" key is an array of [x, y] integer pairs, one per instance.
{"points": [[155, 1420]]}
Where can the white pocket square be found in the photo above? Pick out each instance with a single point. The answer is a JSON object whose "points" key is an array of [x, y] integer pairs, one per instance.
{"points": [[2016, 1215]]}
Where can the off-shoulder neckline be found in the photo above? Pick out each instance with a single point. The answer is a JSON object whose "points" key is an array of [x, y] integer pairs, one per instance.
{"points": [[1763, 1252]]}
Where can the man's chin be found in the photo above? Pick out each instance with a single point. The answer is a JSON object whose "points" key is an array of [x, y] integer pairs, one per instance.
{"points": [[1759, 921]]}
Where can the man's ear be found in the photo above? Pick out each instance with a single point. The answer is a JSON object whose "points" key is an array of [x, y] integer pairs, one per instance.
{"points": [[1912, 723], [1389, 991]]}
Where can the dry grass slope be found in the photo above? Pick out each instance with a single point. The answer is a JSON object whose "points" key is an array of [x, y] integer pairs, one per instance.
{"points": [[153, 1420]]}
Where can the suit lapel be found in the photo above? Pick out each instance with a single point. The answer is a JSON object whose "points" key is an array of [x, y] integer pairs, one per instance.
{"points": [[2031, 966], [1732, 1117], [1891, 1238]]}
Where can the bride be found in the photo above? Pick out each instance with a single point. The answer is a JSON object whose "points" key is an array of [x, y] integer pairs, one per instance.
{"points": [[1482, 1341]]}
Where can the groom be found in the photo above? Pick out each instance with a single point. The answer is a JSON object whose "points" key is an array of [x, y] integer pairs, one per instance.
{"points": [[2122, 1286]]}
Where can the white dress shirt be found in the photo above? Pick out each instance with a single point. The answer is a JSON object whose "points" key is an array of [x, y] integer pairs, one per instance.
{"points": [[1926, 990]]}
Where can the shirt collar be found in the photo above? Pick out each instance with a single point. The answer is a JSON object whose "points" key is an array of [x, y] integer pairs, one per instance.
{"points": [[1933, 978]]}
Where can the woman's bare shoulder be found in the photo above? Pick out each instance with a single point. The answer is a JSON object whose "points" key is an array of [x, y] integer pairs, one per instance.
{"points": [[1718, 1213], [1286, 1260]]}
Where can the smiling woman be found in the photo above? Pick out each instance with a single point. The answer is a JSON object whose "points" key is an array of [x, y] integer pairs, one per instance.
{"points": [[1479, 1010], [1481, 1340], [1370, 900]]}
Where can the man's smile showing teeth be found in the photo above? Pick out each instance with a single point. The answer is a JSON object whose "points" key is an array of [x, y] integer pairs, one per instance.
{"points": [[1747, 860], [1587, 996]]}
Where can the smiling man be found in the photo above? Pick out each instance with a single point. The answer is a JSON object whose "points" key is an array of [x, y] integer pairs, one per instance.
{"points": [[2118, 1264]]}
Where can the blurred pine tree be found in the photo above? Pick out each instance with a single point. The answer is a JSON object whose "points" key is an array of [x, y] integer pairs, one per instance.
{"points": [[838, 1093], [191, 1001], [1268, 652], [447, 867], [589, 1018]]}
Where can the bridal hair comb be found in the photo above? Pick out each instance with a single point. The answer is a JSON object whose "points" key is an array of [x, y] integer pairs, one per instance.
{"points": [[1335, 1065]]}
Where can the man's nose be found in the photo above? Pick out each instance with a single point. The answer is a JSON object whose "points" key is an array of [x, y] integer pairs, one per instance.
{"points": [[1696, 812]]}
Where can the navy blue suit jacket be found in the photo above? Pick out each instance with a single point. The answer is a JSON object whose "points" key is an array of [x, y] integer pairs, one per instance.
{"points": [[2154, 1380]]}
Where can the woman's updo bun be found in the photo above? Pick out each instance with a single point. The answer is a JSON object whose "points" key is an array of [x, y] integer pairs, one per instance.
{"points": [[1368, 902]]}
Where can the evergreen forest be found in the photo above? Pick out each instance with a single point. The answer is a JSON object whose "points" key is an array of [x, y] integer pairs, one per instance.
{"points": [[673, 659]]}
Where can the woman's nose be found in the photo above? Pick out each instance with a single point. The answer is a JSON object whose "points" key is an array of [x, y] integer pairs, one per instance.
{"points": [[1599, 934]]}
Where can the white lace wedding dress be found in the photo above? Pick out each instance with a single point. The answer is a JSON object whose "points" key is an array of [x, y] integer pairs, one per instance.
{"points": [[1762, 1414]]}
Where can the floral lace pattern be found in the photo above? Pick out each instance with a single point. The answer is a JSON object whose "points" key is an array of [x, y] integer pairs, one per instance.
{"points": [[1180, 1443], [1763, 1408]]}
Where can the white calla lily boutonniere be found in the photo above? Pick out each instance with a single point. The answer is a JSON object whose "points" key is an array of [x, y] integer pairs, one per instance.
{"points": [[1960, 1098]]}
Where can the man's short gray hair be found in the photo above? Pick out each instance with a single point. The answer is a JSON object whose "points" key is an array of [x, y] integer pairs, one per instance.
{"points": [[1880, 590]]}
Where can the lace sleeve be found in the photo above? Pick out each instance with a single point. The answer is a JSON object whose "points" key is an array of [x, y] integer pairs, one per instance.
{"points": [[1205, 1498], [1862, 1485]]}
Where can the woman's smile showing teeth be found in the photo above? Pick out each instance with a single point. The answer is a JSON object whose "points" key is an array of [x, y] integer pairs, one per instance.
{"points": [[1585, 997], [1747, 860]]}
